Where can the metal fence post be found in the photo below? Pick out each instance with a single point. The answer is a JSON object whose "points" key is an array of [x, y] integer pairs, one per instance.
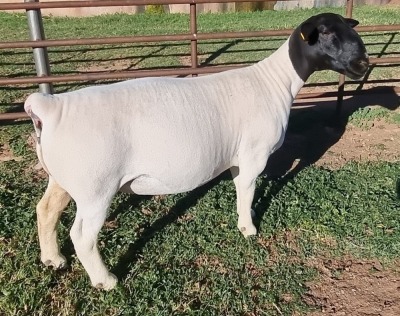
{"points": [[40, 55], [342, 78], [193, 31]]}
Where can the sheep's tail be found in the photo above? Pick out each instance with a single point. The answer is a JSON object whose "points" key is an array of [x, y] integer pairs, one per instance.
{"points": [[39, 106]]}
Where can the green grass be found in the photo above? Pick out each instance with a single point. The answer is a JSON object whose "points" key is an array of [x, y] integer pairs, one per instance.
{"points": [[364, 117], [182, 254]]}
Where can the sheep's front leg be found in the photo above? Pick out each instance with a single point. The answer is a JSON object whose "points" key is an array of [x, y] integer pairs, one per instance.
{"points": [[48, 211], [245, 186], [89, 219]]}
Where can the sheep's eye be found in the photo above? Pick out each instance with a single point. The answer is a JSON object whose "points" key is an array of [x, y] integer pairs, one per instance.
{"points": [[325, 32]]}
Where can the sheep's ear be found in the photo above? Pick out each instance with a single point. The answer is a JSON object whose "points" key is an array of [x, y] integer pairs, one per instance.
{"points": [[352, 22], [308, 32]]}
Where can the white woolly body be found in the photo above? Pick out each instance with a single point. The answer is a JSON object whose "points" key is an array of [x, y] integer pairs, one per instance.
{"points": [[165, 135], [155, 136]]}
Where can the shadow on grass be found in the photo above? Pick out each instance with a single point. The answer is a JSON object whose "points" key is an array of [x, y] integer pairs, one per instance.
{"points": [[398, 188], [312, 131], [310, 134], [135, 249]]}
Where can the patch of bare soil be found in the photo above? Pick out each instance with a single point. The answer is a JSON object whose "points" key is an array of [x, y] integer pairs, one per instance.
{"points": [[354, 287], [108, 65], [394, 3], [332, 146], [185, 61], [380, 141], [6, 154]]}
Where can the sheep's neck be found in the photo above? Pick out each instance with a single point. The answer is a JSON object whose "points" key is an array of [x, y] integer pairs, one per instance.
{"points": [[299, 58], [279, 73]]}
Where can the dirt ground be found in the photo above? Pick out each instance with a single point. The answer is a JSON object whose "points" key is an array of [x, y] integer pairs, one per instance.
{"points": [[394, 2], [353, 287], [381, 141], [349, 286]]}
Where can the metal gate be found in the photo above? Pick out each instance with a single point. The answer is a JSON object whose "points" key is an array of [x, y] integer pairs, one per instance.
{"points": [[44, 78]]}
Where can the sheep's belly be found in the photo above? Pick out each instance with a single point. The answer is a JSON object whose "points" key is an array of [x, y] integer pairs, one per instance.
{"points": [[176, 182], [147, 185]]}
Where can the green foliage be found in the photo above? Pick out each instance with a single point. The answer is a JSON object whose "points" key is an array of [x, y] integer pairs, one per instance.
{"points": [[395, 118], [155, 9], [357, 205], [365, 117]]}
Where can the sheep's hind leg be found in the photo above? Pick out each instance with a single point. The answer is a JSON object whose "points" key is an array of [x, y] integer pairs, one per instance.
{"points": [[245, 186], [89, 219], [48, 211]]}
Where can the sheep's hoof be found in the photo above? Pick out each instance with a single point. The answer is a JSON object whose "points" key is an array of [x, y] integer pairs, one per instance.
{"points": [[248, 231], [59, 263], [108, 284]]}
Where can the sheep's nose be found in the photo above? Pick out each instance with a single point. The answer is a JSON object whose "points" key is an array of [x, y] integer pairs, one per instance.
{"points": [[363, 62], [360, 65]]}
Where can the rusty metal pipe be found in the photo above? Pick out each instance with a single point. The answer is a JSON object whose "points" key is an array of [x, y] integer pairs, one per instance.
{"points": [[144, 73], [384, 60], [107, 3], [13, 116], [339, 103], [141, 39], [377, 28], [170, 38], [193, 31], [349, 8]]}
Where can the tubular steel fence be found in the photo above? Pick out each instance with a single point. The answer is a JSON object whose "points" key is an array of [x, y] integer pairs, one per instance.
{"points": [[39, 45]]}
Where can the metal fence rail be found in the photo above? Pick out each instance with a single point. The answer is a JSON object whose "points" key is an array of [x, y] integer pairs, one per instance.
{"points": [[109, 3], [39, 45]]}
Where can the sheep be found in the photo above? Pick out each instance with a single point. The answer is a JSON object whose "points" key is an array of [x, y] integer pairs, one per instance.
{"points": [[156, 136]]}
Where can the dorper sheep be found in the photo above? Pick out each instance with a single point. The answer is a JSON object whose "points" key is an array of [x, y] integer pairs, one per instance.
{"points": [[168, 135]]}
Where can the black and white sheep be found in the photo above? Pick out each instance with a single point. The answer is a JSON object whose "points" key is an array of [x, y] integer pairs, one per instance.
{"points": [[168, 135]]}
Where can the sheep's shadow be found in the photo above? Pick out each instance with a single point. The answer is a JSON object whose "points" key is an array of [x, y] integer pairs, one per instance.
{"points": [[315, 128], [181, 206], [310, 134], [312, 130]]}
